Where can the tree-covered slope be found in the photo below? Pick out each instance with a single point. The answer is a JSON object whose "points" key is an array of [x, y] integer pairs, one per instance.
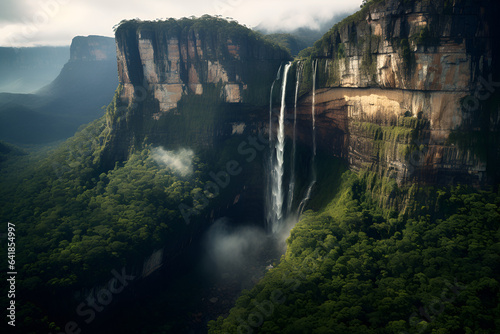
{"points": [[383, 259], [8, 151], [78, 219], [75, 223], [288, 41]]}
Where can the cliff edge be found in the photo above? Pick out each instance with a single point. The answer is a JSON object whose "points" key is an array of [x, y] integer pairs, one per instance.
{"points": [[185, 82], [408, 88], [178, 57]]}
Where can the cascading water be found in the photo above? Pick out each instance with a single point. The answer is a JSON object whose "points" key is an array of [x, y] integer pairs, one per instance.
{"points": [[313, 166], [291, 186], [275, 215], [269, 192], [276, 193], [313, 113], [271, 107]]}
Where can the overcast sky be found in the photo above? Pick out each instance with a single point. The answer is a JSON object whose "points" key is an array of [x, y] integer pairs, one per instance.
{"points": [[56, 22]]}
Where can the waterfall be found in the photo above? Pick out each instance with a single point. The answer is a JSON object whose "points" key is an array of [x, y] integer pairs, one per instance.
{"points": [[313, 166], [315, 67], [271, 107], [291, 186], [269, 205], [276, 213]]}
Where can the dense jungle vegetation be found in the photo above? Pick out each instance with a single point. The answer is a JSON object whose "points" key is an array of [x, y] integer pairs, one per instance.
{"points": [[383, 259]]}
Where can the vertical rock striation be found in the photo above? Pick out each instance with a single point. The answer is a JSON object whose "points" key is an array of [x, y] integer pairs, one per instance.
{"points": [[187, 82], [399, 85], [172, 59]]}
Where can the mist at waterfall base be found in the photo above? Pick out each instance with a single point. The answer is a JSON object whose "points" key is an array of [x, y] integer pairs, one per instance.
{"points": [[236, 251]]}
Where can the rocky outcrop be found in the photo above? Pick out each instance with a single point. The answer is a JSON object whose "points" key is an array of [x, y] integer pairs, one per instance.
{"points": [[93, 48], [173, 59], [187, 83], [407, 88], [75, 97], [400, 79], [87, 80]]}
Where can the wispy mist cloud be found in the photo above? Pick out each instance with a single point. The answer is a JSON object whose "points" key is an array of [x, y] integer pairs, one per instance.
{"points": [[231, 248], [13, 11], [180, 162], [290, 15]]}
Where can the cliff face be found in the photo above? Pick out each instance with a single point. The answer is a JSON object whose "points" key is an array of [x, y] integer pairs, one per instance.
{"points": [[406, 88], [87, 80], [401, 81], [75, 97], [92, 63], [187, 82], [176, 58], [93, 48]]}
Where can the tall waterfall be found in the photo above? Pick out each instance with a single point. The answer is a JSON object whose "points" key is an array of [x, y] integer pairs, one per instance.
{"points": [[277, 210], [313, 165], [271, 106], [291, 186], [276, 215], [269, 187], [313, 113]]}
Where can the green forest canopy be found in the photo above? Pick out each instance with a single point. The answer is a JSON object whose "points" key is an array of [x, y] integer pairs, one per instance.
{"points": [[357, 267]]}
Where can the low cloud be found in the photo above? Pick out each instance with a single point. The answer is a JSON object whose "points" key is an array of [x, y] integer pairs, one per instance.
{"points": [[180, 161], [14, 11], [232, 248]]}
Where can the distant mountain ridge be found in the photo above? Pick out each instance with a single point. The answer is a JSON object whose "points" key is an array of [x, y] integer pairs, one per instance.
{"points": [[75, 97], [24, 70], [93, 48]]}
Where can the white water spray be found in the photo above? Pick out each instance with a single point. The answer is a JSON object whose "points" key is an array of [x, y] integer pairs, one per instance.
{"points": [[315, 67], [291, 186], [313, 166], [277, 164], [271, 107], [269, 191]]}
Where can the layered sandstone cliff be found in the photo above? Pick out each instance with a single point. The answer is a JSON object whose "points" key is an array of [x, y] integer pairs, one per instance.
{"points": [[406, 88], [172, 59], [399, 81], [187, 83]]}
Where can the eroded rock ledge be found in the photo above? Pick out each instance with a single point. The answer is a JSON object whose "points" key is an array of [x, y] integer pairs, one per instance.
{"points": [[400, 86], [175, 58]]}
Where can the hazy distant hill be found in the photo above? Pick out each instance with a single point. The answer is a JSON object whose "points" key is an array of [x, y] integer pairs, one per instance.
{"points": [[85, 84], [300, 38], [24, 70]]}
